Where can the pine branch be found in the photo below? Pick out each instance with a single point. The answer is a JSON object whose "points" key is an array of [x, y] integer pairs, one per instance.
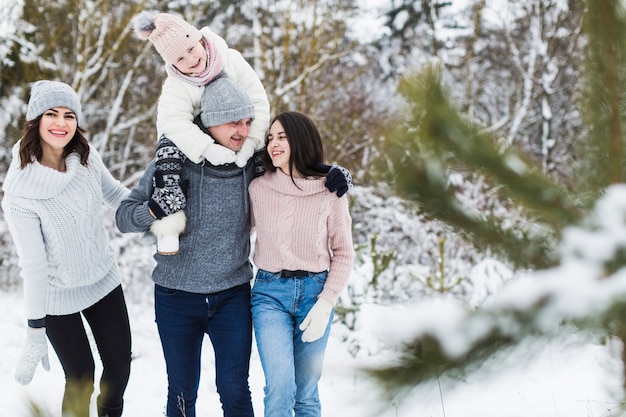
{"points": [[420, 154], [463, 146]]}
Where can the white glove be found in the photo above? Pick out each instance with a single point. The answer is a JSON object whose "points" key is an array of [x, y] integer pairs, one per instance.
{"points": [[218, 154], [316, 321], [35, 350], [167, 231], [246, 152]]}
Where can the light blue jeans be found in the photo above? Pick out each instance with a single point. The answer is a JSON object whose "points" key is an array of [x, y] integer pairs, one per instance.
{"points": [[292, 368]]}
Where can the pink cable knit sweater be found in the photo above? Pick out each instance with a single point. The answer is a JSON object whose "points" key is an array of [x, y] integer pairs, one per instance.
{"points": [[302, 229]]}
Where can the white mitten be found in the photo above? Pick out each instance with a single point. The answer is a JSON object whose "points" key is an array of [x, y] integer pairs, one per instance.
{"points": [[218, 154], [316, 321], [167, 231], [35, 350], [246, 152]]}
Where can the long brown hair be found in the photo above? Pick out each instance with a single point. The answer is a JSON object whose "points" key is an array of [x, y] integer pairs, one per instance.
{"points": [[304, 141], [30, 147]]}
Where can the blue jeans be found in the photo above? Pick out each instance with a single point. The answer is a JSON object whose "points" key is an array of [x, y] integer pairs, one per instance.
{"points": [[182, 319], [292, 368]]}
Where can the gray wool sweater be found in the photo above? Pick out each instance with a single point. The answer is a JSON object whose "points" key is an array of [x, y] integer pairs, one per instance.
{"points": [[215, 246]]}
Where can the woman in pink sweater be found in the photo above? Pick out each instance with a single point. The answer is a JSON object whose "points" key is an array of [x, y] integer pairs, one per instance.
{"points": [[304, 254]]}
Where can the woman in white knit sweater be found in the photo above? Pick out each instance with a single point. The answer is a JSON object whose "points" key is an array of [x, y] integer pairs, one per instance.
{"points": [[304, 254], [53, 195]]}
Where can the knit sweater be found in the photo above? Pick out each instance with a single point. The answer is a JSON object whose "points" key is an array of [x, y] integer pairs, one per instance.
{"points": [[296, 227], [55, 219], [179, 103], [215, 247]]}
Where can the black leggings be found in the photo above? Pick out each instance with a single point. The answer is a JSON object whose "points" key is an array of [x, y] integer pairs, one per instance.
{"points": [[108, 320]]}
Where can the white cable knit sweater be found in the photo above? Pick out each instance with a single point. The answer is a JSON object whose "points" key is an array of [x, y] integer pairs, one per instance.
{"points": [[55, 219]]}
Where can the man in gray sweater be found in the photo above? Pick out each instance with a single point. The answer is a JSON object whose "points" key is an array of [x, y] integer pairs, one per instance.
{"points": [[205, 287]]}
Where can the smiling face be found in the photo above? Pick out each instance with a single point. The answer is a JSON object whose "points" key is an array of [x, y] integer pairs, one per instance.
{"points": [[278, 147], [231, 135], [56, 129], [193, 61]]}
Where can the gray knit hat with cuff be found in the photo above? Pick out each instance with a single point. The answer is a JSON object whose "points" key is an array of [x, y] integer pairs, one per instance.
{"points": [[46, 94], [224, 101]]}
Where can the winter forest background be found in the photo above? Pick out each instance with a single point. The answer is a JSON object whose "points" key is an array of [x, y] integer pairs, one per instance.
{"points": [[485, 139]]}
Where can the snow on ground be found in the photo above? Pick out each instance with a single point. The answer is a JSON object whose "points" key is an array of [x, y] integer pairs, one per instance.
{"points": [[564, 379]]}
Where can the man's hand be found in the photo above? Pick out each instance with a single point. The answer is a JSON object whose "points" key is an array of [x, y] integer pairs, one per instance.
{"points": [[167, 200], [338, 179]]}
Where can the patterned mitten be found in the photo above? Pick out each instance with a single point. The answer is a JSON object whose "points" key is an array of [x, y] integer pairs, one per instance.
{"points": [[35, 350], [169, 191], [167, 200]]}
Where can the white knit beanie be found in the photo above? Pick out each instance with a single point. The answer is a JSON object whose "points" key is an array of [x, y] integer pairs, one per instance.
{"points": [[224, 101], [46, 94], [170, 34]]}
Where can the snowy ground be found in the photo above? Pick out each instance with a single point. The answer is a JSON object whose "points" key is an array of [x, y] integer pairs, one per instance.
{"points": [[563, 380]]}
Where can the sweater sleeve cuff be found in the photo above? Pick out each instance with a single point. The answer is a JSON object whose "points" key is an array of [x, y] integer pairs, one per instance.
{"points": [[143, 215], [37, 323]]}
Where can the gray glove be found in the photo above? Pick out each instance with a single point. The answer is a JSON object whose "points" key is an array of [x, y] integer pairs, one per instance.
{"points": [[35, 350]]}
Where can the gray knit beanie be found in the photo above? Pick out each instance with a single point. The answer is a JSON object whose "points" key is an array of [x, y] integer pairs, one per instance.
{"points": [[224, 101], [46, 94]]}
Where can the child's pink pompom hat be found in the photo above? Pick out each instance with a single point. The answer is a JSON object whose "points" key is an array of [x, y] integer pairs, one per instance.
{"points": [[170, 34]]}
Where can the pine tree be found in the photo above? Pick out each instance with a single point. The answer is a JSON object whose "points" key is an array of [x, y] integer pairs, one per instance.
{"points": [[436, 139]]}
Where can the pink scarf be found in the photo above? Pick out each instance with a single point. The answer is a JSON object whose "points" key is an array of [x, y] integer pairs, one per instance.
{"points": [[214, 67]]}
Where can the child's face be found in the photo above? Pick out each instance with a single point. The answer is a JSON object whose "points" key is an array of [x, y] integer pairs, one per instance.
{"points": [[193, 61]]}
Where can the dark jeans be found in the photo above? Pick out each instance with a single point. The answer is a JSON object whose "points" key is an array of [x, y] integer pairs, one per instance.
{"points": [[182, 319], [108, 320]]}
